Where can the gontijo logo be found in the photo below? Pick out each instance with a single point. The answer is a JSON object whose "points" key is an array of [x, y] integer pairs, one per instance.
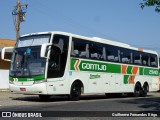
{"points": [[98, 67], [88, 66]]}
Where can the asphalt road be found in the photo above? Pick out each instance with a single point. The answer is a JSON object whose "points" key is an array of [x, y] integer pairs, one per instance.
{"points": [[95, 106]]}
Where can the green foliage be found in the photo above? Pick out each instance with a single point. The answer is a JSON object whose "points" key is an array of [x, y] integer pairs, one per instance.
{"points": [[149, 3]]}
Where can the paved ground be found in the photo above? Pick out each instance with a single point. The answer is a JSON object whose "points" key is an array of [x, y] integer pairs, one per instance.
{"points": [[18, 102]]}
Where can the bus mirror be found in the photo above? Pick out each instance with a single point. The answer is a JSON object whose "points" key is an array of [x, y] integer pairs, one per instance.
{"points": [[4, 50], [44, 49]]}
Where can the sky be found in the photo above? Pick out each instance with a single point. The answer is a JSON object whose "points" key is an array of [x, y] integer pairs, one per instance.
{"points": [[118, 20]]}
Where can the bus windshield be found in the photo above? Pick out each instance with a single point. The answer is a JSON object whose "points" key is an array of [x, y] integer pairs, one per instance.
{"points": [[33, 40], [26, 62]]}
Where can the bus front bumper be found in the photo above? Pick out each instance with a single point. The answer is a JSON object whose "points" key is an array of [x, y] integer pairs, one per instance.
{"points": [[30, 89]]}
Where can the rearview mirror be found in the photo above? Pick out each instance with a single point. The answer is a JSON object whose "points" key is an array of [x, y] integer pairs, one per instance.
{"points": [[44, 49], [8, 49]]}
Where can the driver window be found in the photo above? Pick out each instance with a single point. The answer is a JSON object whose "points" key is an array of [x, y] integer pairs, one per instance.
{"points": [[58, 56]]}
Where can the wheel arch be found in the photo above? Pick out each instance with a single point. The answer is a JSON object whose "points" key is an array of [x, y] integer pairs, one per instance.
{"points": [[80, 83], [138, 82]]}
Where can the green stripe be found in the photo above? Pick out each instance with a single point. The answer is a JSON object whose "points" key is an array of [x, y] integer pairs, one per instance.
{"points": [[93, 66], [10, 78], [152, 72], [114, 68], [35, 78], [129, 69], [72, 64], [141, 70], [125, 80], [96, 66]]}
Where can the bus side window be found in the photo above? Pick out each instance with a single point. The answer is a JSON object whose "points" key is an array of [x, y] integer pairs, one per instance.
{"points": [[137, 58], [96, 51], [80, 48], [112, 53], [111, 58], [74, 52], [104, 53], [85, 54], [126, 56], [153, 60], [145, 59]]}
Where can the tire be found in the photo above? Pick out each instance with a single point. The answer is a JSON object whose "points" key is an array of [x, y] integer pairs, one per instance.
{"points": [[130, 94], [144, 90], [137, 90], [44, 97], [108, 94], [75, 92]]}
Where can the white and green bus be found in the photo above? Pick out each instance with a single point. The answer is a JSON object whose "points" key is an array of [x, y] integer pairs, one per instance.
{"points": [[59, 63]]}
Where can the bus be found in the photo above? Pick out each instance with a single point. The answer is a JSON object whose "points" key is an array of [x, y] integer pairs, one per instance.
{"points": [[60, 63]]}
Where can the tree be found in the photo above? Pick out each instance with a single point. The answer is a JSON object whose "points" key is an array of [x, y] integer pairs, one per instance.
{"points": [[149, 3]]}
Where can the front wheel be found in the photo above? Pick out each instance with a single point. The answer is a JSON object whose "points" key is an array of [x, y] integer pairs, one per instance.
{"points": [[75, 92]]}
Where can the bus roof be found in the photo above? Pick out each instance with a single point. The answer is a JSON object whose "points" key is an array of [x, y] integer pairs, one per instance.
{"points": [[95, 39]]}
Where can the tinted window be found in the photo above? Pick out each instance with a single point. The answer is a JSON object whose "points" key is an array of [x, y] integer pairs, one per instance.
{"points": [[80, 48], [145, 59], [113, 53], [97, 51], [153, 61], [126, 56], [137, 58], [58, 56]]}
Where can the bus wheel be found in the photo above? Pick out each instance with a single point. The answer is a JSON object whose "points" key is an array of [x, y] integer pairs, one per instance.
{"points": [[130, 94], [75, 92], [137, 90], [44, 97], [144, 90], [108, 94]]}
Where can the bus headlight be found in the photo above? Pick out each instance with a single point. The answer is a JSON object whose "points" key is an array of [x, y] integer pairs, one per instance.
{"points": [[40, 81]]}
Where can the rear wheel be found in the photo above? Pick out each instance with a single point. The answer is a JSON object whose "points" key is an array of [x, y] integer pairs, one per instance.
{"points": [[75, 92], [144, 90], [137, 90], [130, 94], [108, 94]]}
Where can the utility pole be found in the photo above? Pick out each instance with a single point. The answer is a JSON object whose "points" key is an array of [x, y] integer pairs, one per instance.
{"points": [[19, 16]]}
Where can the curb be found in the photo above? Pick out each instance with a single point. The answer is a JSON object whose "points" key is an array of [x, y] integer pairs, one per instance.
{"points": [[4, 90]]}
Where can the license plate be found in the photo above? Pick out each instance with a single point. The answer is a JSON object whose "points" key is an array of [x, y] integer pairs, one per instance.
{"points": [[22, 89]]}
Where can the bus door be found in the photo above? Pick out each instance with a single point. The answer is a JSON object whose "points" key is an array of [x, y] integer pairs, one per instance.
{"points": [[56, 82]]}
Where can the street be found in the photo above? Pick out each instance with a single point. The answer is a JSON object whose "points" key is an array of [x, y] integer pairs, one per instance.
{"points": [[19, 102]]}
